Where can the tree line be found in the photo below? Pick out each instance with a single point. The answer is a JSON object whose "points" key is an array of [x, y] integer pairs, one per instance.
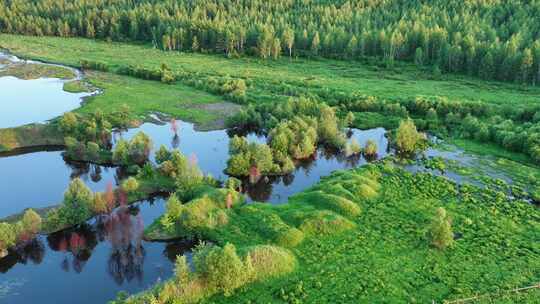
{"points": [[488, 39]]}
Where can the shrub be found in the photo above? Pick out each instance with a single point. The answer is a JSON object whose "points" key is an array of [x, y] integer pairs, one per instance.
{"points": [[92, 150], [407, 137], [271, 261], [370, 150], [99, 204], [290, 237], [162, 155], [130, 185], [8, 237], [352, 148], [325, 223], [222, 268], [31, 222], [440, 231]]}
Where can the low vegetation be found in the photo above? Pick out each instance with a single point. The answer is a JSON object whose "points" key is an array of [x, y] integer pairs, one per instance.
{"points": [[34, 71], [418, 226]]}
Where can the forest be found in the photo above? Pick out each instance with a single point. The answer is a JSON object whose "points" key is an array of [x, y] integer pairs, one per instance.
{"points": [[497, 40]]}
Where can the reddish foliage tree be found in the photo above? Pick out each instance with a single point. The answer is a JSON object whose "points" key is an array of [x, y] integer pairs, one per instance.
{"points": [[122, 197], [254, 174], [109, 197], [174, 126], [193, 160]]}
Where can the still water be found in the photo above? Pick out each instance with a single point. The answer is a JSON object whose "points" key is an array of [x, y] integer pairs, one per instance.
{"points": [[40, 179], [92, 263], [27, 101]]}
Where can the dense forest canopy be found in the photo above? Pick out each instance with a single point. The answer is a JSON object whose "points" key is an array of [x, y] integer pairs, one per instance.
{"points": [[492, 39]]}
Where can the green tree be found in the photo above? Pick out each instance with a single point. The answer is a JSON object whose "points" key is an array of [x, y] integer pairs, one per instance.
{"points": [[77, 203], [288, 39], [315, 44], [440, 230], [31, 222], [407, 137]]}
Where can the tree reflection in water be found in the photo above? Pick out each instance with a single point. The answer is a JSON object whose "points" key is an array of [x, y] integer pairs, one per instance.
{"points": [[31, 251], [124, 232], [122, 229]]}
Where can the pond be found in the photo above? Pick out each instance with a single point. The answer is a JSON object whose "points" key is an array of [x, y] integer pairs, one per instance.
{"points": [[19, 190], [37, 100], [108, 254], [91, 264]]}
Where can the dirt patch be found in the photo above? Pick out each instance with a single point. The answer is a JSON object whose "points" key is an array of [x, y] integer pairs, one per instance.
{"points": [[221, 110]]}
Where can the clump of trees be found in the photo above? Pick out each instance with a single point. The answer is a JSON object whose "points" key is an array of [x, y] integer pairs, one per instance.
{"points": [[253, 159], [21, 231], [440, 230], [135, 151], [183, 171], [296, 138], [513, 128], [295, 129]]}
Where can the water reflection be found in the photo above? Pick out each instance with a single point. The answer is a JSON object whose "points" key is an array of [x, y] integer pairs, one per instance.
{"points": [[19, 190], [108, 251]]}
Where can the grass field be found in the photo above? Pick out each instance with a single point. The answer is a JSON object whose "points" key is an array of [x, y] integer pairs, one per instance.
{"points": [[145, 96], [268, 77]]}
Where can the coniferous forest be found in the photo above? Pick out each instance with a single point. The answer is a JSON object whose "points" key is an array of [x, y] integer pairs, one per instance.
{"points": [[489, 39]]}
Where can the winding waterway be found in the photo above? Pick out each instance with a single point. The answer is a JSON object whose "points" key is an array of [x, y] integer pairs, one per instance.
{"points": [[92, 263]]}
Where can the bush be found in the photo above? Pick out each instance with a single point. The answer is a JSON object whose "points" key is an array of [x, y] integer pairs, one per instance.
{"points": [[31, 222], [271, 261], [290, 237], [222, 269], [370, 149], [407, 137], [8, 238], [325, 223], [440, 231], [352, 148], [130, 185]]}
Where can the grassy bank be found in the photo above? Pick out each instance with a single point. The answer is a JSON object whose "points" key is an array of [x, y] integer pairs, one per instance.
{"points": [[33, 135], [361, 240], [143, 97], [267, 78]]}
